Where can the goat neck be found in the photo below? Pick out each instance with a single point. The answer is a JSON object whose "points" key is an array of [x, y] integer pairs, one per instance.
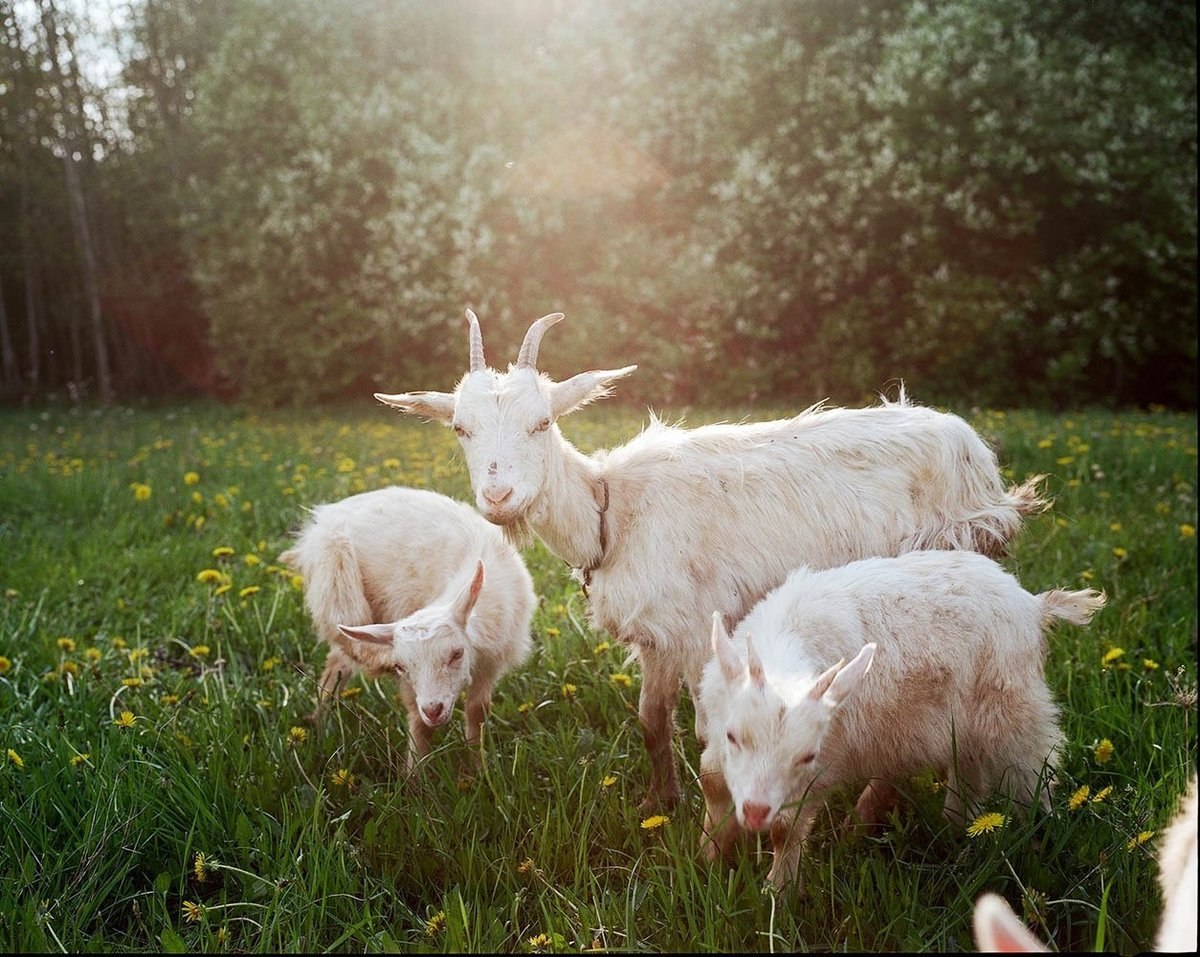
{"points": [[567, 516]]}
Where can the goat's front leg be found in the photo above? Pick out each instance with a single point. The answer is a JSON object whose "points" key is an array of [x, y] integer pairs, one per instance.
{"points": [[420, 735], [479, 704], [789, 834], [876, 800], [656, 711], [338, 667], [720, 819]]}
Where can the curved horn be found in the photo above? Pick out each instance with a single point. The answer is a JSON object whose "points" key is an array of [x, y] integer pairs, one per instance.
{"points": [[477, 362], [527, 358]]}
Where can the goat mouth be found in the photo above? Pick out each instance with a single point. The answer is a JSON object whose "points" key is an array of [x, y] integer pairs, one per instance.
{"points": [[435, 722]]}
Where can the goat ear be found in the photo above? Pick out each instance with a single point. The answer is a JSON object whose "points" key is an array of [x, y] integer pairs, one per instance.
{"points": [[438, 406], [465, 602], [757, 675], [732, 665], [583, 388], [375, 634], [847, 679], [999, 931], [824, 680]]}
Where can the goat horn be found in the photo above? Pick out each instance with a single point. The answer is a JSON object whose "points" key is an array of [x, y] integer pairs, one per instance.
{"points": [[527, 358], [477, 361]]}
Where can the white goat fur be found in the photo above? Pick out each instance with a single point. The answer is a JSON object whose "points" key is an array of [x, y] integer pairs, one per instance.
{"points": [[945, 653], [712, 517], [999, 930], [440, 599]]}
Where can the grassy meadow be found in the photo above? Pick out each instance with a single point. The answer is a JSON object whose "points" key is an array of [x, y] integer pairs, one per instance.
{"points": [[161, 790]]}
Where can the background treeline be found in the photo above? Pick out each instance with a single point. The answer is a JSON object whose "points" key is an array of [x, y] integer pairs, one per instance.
{"points": [[293, 200]]}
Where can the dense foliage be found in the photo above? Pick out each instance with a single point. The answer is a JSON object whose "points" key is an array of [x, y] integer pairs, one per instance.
{"points": [[994, 202]]}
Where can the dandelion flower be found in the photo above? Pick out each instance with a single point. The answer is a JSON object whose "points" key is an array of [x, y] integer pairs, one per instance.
{"points": [[602, 647], [1065, 459], [137, 654], [1114, 526], [93, 654], [657, 820], [192, 912], [986, 823], [191, 478], [1119, 552], [1138, 841], [1187, 531], [296, 735], [341, 778], [391, 463], [1102, 794], [66, 644], [346, 465], [82, 758], [5, 665], [169, 699], [435, 924], [1087, 575], [200, 865], [250, 560], [15, 759], [271, 663], [221, 589], [1149, 664], [209, 576], [248, 591], [1113, 654], [568, 690], [126, 719], [538, 941], [131, 682], [1079, 798], [525, 866], [199, 651], [222, 551], [141, 491], [620, 678], [552, 632], [524, 706], [1103, 751], [352, 692], [608, 781]]}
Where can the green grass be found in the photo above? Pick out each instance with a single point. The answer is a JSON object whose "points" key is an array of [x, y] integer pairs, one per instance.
{"points": [[543, 850]]}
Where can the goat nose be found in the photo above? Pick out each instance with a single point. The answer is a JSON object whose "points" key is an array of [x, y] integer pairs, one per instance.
{"points": [[498, 497], [433, 711], [755, 815], [493, 469]]}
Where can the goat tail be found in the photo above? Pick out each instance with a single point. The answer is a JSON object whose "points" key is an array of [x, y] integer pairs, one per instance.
{"points": [[1026, 498], [333, 585], [1077, 607]]}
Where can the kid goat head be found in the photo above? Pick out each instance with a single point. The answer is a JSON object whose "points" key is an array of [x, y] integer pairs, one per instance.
{"points": [[429, 650], [505, 421], [773, 734]]}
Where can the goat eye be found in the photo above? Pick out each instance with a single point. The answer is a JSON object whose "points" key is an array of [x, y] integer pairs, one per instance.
{"points": [[807, 759], [400, 670], [541, 426], [729, 736], [455, 655], [461, 432]]}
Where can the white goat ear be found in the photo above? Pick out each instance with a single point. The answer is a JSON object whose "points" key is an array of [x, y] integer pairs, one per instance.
{"points": [[375, 634], [824, 680], [732, 665], [999, 931], [754, 663], [583, 388], [465, 601], [438, 406], [847, 679]]}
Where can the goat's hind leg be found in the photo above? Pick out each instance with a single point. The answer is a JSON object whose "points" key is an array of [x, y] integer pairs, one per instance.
{"points": [[338, 668]]}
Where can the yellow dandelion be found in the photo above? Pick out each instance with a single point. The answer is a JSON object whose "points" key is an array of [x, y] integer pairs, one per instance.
{"points": [[222, 934], [436, 924], [1061, 522], [69, 668], [82, 758], [191, 478], [346, 464], [341, 778], [1065, 459], [986, 823], [169, 699], [1079, 798], [552, 632], [1102, 794], [271, 663], [66, 644], [119, 643], [221, 500], [297, 582], [608, 781], [137, 654], [525, 866], [93, 654], [131, 682], [524, 706], [250, 559], [568, 690], [200, 865], [620, 678], [1142, 838], [1110, 656], [602, 647], [1187, 531], [209, 576], [538, 940], [1119, 552], [141, 491], [352, 692], [1103, 751], [5, 665], [15, 759], [248, 591], [391, 463], [192, 912], [1045, 443], [199, 651], [197, 498], [126, 719], [1114, 526], [654, 821], [221, 589], [296, 735], [1149, 664], [222, 551]]}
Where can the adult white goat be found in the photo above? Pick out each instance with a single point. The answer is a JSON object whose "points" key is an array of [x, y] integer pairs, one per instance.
{"points": [[945, 653], [676, 521], [395, 584]]}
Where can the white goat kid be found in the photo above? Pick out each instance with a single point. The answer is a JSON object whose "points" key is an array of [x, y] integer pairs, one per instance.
{"points": [[945, 654], [998, 930], [395, 584], [649, 525]]}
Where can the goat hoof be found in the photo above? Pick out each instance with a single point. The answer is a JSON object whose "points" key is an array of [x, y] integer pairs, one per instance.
{"points": [[654, 802]]}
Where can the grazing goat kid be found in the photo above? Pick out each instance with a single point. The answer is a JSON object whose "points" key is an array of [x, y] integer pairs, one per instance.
{"points": [[998, 930], [648, 525], [945, 654], [395, 584]]}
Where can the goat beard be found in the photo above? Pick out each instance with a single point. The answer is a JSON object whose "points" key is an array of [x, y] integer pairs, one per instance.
{"points": [[518, 533]]}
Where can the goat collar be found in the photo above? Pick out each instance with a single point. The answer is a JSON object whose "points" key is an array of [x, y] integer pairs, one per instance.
{"points": [[602, 499]]}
